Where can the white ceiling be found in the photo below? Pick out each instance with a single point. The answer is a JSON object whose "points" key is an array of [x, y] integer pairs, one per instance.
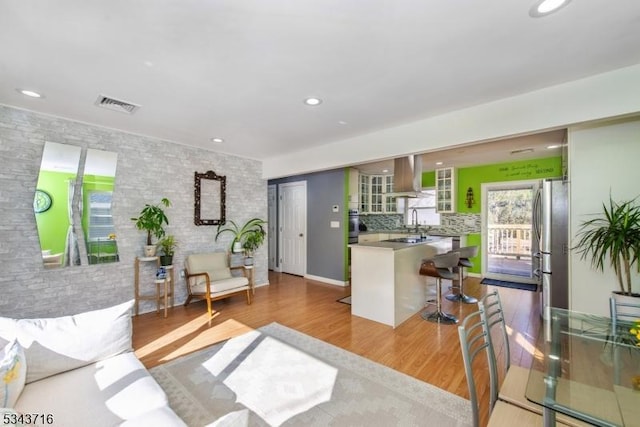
{"points": [[240, 69]]}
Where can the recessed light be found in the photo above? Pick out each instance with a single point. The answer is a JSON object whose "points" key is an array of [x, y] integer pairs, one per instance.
{"points": [[313, 101], [29, 93], [439, 163], [551, 147], [522, 151], [342, 122], [546, 7], [385, 170], [217, 140]]}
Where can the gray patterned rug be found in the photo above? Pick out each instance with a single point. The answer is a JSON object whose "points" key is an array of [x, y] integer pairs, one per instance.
{"points": [[277, 376]]}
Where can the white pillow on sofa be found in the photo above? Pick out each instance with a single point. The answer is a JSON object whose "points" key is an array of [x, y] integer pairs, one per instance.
{"points": [[54, 345], [13, 372]]}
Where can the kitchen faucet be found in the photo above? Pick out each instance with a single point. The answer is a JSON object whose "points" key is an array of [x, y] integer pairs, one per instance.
{"points": [[414, 218]]}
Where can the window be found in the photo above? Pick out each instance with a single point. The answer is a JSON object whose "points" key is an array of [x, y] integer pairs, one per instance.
{"points": [[100, 219], [425, 206]]}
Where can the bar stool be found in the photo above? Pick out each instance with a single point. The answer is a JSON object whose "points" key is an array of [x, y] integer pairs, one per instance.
{"points": [[465, 253], [440, 267]]}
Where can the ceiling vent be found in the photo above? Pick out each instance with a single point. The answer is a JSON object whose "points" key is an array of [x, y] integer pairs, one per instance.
{"points": [[116, 104]]}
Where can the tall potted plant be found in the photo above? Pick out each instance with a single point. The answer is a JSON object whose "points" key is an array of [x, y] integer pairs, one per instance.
{"points": [[613, 239], [152, 220], [240, 233]]}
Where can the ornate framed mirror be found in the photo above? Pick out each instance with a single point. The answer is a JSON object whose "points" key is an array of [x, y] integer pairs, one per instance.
{"points": [[210, 193]]}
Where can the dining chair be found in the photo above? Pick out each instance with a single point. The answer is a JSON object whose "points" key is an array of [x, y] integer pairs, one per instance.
{"points": [[511, 381], [623, 314], [474, 338]]}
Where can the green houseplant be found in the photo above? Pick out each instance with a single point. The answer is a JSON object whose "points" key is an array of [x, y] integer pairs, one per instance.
{"points": [[168, 246], [152, 220], [613, 238], [240, 234], [252, 241]]}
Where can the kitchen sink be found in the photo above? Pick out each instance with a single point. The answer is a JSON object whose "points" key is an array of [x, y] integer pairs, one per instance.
{"points": [[406, 240]]}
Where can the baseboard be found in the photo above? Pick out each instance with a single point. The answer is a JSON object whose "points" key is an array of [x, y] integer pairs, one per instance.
{"points": [[326, 280]]}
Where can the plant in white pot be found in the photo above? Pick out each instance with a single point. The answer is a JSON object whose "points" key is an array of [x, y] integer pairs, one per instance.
{"points": [[252, 241], [613, 238], [240, 233], [152, 219]]}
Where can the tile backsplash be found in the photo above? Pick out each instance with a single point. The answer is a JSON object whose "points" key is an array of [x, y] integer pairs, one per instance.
{"points": [[456, 223]]}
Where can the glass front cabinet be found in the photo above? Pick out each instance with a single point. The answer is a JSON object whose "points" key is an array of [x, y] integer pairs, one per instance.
{"points": [[373, 194], [445, 190]]}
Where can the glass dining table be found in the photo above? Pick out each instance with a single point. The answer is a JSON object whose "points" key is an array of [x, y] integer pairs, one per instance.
{"points": [[586, 370]]}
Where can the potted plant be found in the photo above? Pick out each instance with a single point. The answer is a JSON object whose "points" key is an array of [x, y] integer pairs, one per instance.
{"points": [[613, 238], [240, 233], [152, 220], [252, 241], [168, 246]]}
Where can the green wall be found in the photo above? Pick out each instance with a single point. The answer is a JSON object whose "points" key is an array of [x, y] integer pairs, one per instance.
{"points": [[474, 177], [54, 223]]}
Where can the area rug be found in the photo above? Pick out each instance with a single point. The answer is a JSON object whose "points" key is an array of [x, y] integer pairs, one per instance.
{"points": [[515, 285], [345, 300], [277, 376]]}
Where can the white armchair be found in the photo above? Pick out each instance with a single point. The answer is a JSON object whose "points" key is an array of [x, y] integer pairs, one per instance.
{"points": [[208, 276]]}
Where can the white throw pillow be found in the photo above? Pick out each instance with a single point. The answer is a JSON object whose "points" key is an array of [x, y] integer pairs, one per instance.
{"points": [[13, 372], [55, 345]]}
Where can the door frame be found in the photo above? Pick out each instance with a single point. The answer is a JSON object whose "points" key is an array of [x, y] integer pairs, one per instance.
{"points": [[272, 227], [303, 206], [506, 185]]}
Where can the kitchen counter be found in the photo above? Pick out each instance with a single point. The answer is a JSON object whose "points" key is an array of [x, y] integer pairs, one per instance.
{"points": [[385, 282]]}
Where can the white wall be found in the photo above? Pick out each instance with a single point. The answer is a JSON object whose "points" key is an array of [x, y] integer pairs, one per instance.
{"points": [[603, 159], [605, 95]]}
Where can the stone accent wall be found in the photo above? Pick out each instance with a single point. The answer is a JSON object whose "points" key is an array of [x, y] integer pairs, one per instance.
{"points": [[148, 169]]}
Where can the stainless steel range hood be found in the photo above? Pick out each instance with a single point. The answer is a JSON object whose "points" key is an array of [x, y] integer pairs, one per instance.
{"points": [[407, 176]]}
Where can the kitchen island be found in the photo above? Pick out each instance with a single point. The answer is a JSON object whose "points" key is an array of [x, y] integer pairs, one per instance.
{"points": [[385, 283]]}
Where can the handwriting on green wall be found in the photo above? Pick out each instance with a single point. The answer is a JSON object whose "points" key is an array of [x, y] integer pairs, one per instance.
{"points": [[524, 171]]}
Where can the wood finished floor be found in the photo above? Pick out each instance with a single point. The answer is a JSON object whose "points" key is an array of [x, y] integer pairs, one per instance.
{"points": [[427, 351]]}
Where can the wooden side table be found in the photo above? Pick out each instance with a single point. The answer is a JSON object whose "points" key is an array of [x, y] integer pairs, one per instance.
{"points": [[164, 287], [249, 270]]}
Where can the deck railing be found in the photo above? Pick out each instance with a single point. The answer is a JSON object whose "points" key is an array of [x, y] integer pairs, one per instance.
{"points": [[510, 240]]}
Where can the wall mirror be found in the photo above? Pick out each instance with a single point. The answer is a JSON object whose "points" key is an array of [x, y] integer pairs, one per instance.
{"points": [[210, 194], [53, 203], [98, 183]]}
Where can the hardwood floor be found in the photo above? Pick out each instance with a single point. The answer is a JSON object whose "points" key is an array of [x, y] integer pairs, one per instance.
{"points": [[427, 351]]}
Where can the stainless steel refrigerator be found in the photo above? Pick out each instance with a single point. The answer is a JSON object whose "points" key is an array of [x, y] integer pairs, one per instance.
{"points": [[551, 249]]}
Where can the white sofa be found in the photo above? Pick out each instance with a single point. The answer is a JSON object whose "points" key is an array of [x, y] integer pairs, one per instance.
{"points": [[79, 371]]}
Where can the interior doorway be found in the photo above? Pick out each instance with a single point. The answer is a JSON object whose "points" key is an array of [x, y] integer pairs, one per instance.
{"points": [[292, 222], [272, 221], [507, 234]]}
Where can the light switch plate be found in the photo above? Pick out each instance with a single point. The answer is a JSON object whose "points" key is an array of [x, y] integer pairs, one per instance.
{"points": [[335, 224]]}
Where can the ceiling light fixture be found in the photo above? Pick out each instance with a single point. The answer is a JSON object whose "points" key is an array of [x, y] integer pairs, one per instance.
{"points": [[29, 93], [439, 163], [313, 101], [546, 7], [551, 147], [217, 140]]}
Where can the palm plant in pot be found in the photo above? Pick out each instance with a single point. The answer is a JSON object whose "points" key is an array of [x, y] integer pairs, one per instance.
{"points": [[168, 246], [152, 219], [240, 233], [613, 239]]}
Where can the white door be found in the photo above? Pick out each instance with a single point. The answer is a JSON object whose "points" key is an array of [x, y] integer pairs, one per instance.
{"points": [[507, 232], [292, 214], [271, 226]]}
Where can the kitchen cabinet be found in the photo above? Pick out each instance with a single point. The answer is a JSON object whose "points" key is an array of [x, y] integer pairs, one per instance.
{"points": [[354, 187], [445, 190], [373, 194], [372, 237]]}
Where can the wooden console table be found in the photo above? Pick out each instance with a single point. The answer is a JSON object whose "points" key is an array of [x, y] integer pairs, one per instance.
{"points": [[164, 287]]}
